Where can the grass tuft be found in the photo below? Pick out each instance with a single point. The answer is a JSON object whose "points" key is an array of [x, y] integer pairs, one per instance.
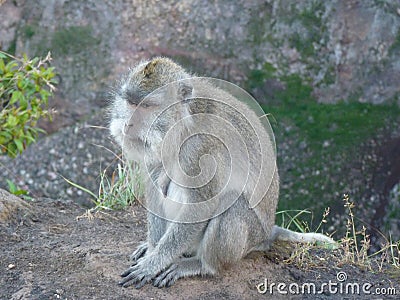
{"points": [[115, 192], [354, 248]]}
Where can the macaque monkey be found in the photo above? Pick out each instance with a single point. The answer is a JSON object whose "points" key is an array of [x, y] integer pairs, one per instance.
{"points": [[211, 180]]}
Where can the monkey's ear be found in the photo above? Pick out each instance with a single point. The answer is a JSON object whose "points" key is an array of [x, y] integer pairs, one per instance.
{"points": [[149, 68], [185, 90]]}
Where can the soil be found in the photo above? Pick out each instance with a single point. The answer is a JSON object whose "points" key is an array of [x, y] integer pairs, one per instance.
{"points": [[56, 250]]}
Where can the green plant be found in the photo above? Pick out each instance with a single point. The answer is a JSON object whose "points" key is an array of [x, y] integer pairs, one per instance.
{"points": [[29, 31], [257, 77], [72, 40], [117, 192], [15, 190], [298, 222], [287, 220], [25, 87]]}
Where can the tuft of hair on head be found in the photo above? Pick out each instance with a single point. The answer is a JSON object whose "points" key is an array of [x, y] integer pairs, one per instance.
{"points": [[150, 67]]}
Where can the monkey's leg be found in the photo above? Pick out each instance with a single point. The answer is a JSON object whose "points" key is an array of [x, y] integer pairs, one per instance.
{"points": [[154, 234], [185, 267], [156, 229], [139, 252], [224, 241], [177, 240]]}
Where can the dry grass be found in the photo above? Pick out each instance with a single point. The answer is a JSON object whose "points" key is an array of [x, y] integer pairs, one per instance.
{"points": [[354, 248]]}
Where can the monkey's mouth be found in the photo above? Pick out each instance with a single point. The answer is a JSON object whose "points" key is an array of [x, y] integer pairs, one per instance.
{"points": [[130, 133], [136, 144]]}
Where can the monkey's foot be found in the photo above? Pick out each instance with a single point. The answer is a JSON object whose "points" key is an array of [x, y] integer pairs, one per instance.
{"points": [[139, 252], [183, 268], [141, 272]]}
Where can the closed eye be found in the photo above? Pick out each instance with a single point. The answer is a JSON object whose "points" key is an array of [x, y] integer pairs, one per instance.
{"points": [[136, 98], [132, 97], [132, 100]]}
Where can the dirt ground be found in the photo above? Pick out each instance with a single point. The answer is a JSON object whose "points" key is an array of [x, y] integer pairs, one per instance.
{"points": [[49, 250]]}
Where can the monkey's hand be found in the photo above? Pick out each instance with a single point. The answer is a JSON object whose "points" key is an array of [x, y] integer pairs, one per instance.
{"points": [[139, 252], [142, 272]]}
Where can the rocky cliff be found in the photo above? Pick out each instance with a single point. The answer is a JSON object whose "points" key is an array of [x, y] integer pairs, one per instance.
{"points": [[345, 49]]}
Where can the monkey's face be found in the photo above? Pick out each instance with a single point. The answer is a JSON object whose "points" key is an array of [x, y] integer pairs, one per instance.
{"points": [[132, 126], [139, 118]]}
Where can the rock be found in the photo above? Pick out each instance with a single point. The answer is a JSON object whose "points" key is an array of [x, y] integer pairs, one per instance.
{"points": [[346, 49], [12, 208]]}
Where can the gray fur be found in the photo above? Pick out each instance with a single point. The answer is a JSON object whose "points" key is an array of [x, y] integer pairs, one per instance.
{"points": [[178, 249]]}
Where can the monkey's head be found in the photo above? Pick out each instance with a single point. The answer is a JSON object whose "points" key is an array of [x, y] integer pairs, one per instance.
{"points": [[139, 118]]}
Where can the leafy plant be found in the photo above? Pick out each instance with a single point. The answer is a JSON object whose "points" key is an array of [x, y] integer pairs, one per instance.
{"points": [[25, 87], [15, 190]]}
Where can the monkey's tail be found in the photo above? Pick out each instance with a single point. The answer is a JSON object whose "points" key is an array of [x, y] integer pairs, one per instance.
{"points": [[283, 234]]}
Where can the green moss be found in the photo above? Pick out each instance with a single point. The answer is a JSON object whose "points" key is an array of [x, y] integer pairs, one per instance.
{"points": [[394, 48], [342, 124], [330, 76], [296, 92], [29, 31], [72, 40], [13, 47], [258, 77], [314, 29], [303, 45], [260, 29], [311, 18], [326, 136]]}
